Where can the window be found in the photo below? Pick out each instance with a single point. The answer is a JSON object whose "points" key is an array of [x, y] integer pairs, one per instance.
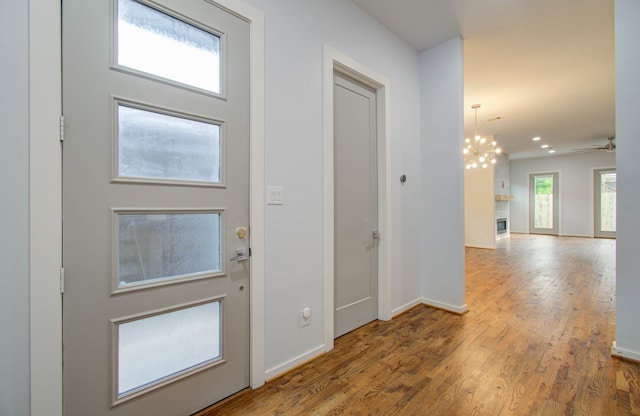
{"points": [[167, 246], [165, 147], [156, 43], [153, 349]]}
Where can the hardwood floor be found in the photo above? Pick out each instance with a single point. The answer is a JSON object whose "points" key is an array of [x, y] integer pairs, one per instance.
{"points": [[536, 341]]}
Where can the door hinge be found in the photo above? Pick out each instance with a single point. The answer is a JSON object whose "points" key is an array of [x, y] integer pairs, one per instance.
{"points": [[62, 280], [62, 128], [249, 251]]}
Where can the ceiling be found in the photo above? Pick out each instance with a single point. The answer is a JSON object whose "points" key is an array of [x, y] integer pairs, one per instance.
{"points": [[544, 67]]}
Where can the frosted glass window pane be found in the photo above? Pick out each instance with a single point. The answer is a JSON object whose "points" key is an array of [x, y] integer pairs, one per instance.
{"points": [[154, 42], [154, 247], [155, 348], [158, 146]]}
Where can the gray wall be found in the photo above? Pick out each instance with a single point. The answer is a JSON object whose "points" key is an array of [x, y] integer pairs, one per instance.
{"points": [[14, 209], [628, 142], [576, 189]]}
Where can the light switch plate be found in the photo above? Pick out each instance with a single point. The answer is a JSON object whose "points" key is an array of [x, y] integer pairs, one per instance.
{"points": [[275, 195]]}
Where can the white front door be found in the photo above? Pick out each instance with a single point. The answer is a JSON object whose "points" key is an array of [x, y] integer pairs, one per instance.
{"points": [[356, 205], [156, 206]]}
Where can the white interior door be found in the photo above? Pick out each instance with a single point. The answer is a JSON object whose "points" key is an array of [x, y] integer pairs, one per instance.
{"points": [[356, 205], [605, 203], [156, 206], [543, 203]]}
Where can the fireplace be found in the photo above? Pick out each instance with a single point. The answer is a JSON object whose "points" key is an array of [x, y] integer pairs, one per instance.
{"points": [[501, 226]]}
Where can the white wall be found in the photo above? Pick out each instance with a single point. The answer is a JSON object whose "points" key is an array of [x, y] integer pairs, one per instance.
{"points": [[14, 209], [628, 149], [576, 190], [479, 208], [296, 33], [442, 266]]}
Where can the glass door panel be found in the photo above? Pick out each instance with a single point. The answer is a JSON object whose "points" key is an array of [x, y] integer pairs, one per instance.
{"points": [[543, 205], [156, 43], [168, 345], [165, 246], [157, 147], [543, 208], [605, 203]]}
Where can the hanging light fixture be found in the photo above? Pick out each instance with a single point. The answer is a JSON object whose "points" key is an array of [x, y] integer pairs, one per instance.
{"points": [[479, 151]]}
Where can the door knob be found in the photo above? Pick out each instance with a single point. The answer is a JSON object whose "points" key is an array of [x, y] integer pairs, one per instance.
{"points": [[241, 232]]}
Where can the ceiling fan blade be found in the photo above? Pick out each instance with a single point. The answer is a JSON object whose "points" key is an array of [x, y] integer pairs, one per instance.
{"points": [[609, 147]]}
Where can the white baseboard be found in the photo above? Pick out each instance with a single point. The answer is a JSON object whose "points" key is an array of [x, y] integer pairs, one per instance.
{"points": [[401, 309], [480, 246], [460, 310], [625, 354], [293, 363]]}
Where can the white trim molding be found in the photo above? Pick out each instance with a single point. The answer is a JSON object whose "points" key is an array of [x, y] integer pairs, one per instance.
{"points": [[407, 306], [295, 362], [624, 353], [45, 202], [255, 18], [459, 310], [334, 60]]}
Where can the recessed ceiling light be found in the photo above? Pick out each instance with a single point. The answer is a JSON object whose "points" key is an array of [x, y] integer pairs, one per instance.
{"points": [[544, 146], [552, 151], [537, 139]]}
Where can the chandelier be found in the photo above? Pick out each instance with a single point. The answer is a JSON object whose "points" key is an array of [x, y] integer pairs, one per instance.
{"points": [[479, 151]]}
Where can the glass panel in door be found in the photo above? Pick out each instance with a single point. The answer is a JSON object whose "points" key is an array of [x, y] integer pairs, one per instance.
{"points": [[158, 147], [605, 203], [156, 43], [164, 346], [164, 246], [543, 203]]}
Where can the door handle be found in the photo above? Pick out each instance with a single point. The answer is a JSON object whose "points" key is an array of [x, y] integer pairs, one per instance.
{"points": [[375, 234], [242, 254]]}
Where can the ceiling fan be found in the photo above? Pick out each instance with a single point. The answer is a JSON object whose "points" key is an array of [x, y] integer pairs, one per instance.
{"points": [[609, 147]]}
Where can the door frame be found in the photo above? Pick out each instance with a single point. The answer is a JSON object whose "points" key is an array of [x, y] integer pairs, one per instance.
{"points": [[557, 208], [334, 60], [45, 192]]}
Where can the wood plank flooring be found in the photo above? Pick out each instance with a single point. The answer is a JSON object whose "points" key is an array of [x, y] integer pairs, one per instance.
{"points": [[536, 341]]}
